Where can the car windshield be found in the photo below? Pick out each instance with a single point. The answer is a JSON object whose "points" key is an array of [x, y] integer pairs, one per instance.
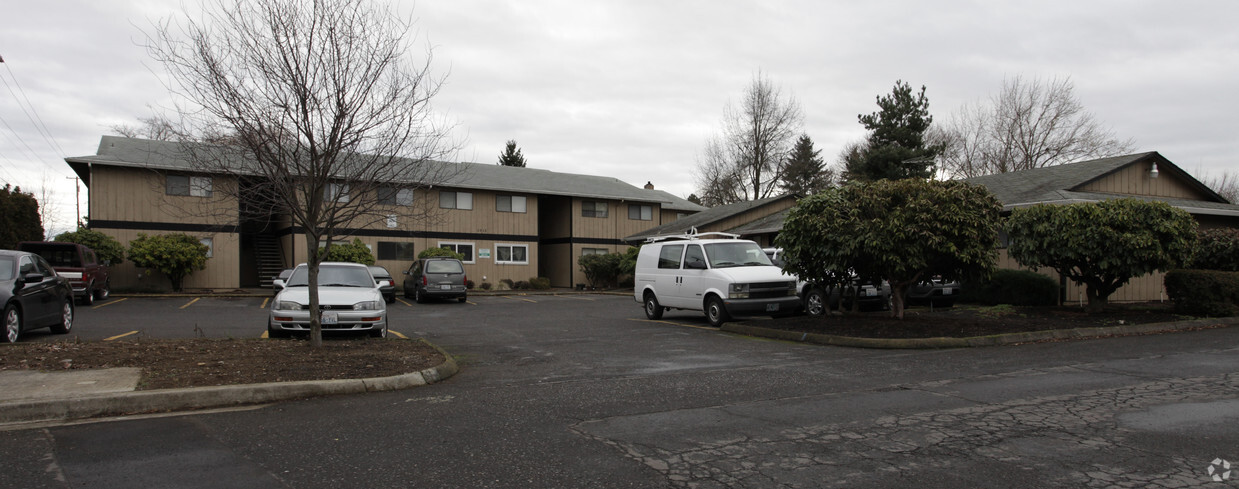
{"points": [[6, 268], [443, 266], [332, 276], [739, 254]]}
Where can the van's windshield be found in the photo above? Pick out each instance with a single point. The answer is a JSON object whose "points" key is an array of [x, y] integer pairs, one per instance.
{"points": [[739, 254]]}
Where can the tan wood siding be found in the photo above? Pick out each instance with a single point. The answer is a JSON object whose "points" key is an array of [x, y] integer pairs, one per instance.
{"points": [[126, 194], [1140, 289], [1135, 180], [221, 270]]}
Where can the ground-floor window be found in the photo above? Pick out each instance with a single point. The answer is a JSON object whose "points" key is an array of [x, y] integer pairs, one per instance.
{"points": [[391, 250], [462, 248], [512, 254], [594, 251]]}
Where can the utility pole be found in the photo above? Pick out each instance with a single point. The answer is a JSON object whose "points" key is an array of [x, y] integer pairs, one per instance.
{"points": [[77, 201]]}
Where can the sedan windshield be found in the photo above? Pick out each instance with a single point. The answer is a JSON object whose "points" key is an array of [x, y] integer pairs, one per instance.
{"points": [[741, 254], [333, 276]]}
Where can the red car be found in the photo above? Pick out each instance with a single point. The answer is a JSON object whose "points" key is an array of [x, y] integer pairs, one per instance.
{"points": [[77, 263]]}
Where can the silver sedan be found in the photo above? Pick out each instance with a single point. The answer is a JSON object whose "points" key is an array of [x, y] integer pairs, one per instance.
{"points": [[349, 300]]}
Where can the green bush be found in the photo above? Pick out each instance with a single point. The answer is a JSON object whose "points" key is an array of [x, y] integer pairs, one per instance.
{"points": [[507, 283], [437, 252], [540, 283], [486, 286], [355, 252], [1204, 292], [1217, 249], [520, 285], [174, 255], [601, 270], [1015, 287], [107, 248]]}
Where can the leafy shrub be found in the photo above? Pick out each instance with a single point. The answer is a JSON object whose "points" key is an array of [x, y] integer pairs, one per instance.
{"points": [[1217, 249], [107, 248], [1204, 292], [506, 284], [486, 285], [175, 255], [540, 283], [601, 270], [469, 285], [520, 285], [355, 252], [1015, 287], [437, 252]]}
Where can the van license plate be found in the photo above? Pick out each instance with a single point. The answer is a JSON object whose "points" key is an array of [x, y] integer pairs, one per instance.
{"points": [[445, 287], [772, 307], [331, 318]]}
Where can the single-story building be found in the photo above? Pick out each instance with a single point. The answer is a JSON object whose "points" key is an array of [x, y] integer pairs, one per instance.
{"points": [[510, 223]]}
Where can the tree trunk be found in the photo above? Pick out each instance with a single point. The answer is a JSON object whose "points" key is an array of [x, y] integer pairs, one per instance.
{"points": [[316, 313], [1096, 302]]}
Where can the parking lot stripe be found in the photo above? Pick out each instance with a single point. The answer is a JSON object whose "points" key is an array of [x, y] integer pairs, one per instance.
{"points": [[518, 299], [575, 297], [403, 302], [264, 334], [471, 302], [711, 328], [196, 299], [397, 333], [109, 303], [264, 303], [120, 336]]}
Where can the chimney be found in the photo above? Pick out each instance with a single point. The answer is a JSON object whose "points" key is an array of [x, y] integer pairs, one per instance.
{"points": [[649, 186]]}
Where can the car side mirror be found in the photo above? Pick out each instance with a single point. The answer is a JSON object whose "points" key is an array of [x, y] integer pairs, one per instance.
{"points": [[406, 272], [32, 278], [278, 284]]}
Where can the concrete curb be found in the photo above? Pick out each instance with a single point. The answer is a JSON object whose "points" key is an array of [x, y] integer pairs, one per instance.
{"points": [[753, 328], [167, 400]]}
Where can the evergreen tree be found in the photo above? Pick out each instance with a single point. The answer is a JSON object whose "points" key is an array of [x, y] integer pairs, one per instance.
{"points": [[19, 217], [805, 173], [511, 156], [694, 199], [896, 147]]}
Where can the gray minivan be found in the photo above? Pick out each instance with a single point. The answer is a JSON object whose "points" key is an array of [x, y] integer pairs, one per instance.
{"points": [[438, 277]]}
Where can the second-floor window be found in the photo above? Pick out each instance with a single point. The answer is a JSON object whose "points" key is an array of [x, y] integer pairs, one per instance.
{"points": [[336, 192], [640, 212], [509, 203], [395, 196], [455, 200], [590, 208], [187, 185]]}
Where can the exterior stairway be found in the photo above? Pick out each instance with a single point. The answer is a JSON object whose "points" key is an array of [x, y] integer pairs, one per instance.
{"points": [[270, 258]]}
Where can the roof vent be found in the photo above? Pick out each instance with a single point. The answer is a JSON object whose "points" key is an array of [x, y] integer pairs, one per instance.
{"points": [[649, 185]]}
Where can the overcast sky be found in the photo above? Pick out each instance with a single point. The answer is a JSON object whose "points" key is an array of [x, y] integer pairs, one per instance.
{"points": [[632, 89]]}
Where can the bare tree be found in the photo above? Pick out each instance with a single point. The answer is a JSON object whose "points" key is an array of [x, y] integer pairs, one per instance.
{"points": [[1226, 185], [747, 159], [1028, 124], [154, 127], [329, 116]]}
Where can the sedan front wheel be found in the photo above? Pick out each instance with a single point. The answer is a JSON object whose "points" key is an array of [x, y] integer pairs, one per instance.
{"points": [[12, 324]]}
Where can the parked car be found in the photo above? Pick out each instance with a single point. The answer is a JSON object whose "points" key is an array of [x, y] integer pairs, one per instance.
{"points": [[349, 301], [33, 295], [935, 292], [723, 277], [387, 285], [438, 277], [816, 300], [79, 264]]}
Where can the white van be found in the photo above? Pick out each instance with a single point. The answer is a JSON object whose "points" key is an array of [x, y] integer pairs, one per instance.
{"points": [[712, 272]]}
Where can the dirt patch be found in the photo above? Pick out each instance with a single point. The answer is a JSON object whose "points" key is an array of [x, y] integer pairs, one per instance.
{"points": [[207, 362], [963, 321]]}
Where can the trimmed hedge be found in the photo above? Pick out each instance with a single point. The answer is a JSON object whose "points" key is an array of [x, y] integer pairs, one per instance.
{"points": [[1204, 292], [1015, 287], [1217, 249]]}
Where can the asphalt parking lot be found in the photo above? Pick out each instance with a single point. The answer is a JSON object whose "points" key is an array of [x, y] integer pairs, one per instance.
{"points": [[245, 317]]}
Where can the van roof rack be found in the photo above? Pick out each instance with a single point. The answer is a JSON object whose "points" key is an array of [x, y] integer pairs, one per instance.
{"points": [[690, 235]]}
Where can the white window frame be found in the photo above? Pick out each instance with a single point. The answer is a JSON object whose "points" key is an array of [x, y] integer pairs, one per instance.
{"points": [[513, 201], [193, 186], [398, 197], [595, 251], [455, 246], [644, 212], [606, 209], [336, 192], [461, 200], [210, 244], [510, 247]]}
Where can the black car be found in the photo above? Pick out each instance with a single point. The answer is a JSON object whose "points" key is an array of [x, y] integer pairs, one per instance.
{"points": [[436, 277], [34, 296], [387, 285]]}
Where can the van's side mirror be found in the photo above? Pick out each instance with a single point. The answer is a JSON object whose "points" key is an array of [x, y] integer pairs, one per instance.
{"points": [[695, 265]]}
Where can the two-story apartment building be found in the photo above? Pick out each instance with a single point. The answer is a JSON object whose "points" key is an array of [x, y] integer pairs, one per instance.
{"points": [[509, 223]]}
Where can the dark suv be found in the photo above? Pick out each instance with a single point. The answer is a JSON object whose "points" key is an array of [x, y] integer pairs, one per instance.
{"points": [[77, 263], [436, 277]]}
